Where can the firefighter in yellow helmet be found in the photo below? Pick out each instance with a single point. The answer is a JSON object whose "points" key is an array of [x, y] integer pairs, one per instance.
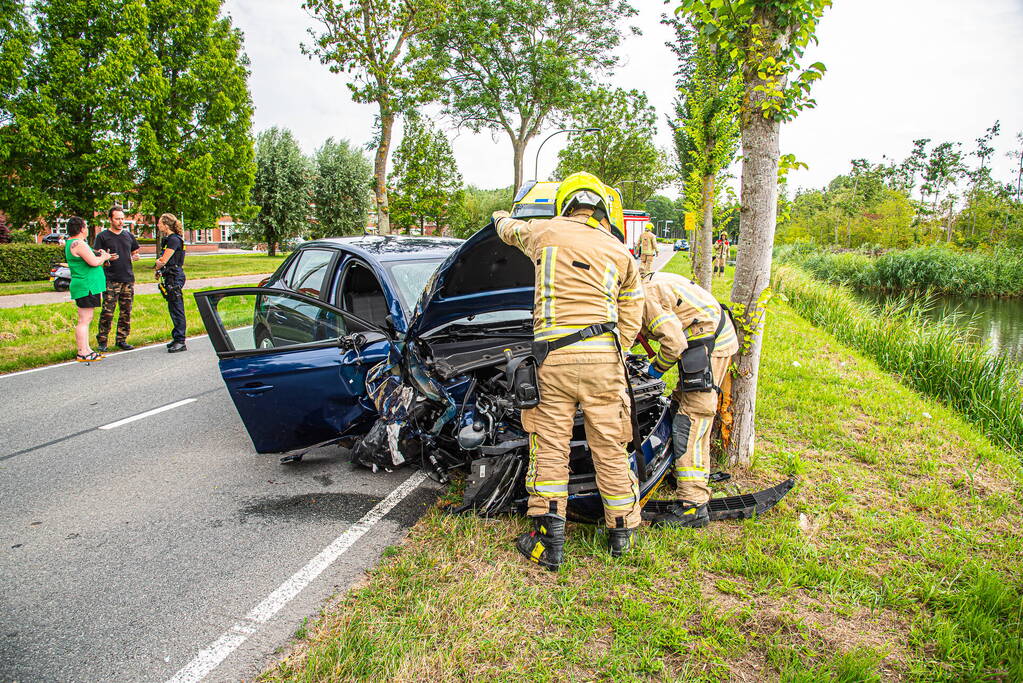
{"points": [[588, 306], [721, 252], [647, 250], [695, 332]]}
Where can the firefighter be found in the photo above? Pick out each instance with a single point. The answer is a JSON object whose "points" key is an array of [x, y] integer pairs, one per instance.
{"points": [[588, 304], [647, 250], [721, 249], [692, 326]]}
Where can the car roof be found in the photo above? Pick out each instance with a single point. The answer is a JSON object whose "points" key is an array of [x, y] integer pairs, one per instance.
{"points": [[389, 247]]}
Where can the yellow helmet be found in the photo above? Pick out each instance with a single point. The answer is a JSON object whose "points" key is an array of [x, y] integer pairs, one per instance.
{"points": [[584, 190]]}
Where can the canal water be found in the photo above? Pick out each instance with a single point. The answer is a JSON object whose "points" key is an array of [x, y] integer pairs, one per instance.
{"points": [[998, 322]]}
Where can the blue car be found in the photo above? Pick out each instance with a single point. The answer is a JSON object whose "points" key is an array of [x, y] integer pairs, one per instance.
{"points": [[403, 349]]}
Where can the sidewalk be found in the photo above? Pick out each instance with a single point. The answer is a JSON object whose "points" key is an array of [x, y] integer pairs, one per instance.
{"points": [[141, 287]]}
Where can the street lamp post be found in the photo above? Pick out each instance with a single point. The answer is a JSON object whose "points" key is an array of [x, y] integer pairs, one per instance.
{"points": [[536, 165]]}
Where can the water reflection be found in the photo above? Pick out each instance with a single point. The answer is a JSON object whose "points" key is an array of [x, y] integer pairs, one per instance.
{"points": [[998, 322]]}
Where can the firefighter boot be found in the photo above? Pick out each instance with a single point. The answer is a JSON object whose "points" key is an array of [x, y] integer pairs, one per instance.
{"points": [[545, 544], [686, 514], [620, 541]]}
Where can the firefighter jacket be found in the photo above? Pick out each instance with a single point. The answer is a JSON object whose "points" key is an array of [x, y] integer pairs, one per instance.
{"points": [[721, 248], [584, 275], [647, 244], [677, 311]]}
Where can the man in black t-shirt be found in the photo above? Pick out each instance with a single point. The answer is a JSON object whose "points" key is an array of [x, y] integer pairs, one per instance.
{"points": [[120, 280]]}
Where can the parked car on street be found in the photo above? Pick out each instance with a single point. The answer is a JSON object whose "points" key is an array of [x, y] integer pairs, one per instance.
{"points": [[53, 238], [404, 349], [682, 245]]}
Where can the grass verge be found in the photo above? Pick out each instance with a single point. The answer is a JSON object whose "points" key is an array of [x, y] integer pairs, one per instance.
{"points": [[197, 266], [31, 336], [898, 556]]}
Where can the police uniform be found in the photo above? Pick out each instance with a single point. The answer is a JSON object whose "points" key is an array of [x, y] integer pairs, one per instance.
{"points": [[173, 275], [677, 313], [647, 251]]}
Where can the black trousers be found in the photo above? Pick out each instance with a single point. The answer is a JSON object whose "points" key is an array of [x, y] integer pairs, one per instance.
{"points": [[175, 281]]}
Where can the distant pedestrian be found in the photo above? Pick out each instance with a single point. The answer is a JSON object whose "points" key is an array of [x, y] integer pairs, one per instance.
{"points": [[120, 291], [171, 267], [722, 250], [87, 283]]}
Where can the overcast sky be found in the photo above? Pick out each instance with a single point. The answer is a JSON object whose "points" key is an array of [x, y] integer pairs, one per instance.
{"points": [[897, 70]]}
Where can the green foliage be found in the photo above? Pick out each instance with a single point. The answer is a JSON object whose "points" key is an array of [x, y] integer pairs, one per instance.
{"points": [[938, 359], [21, 262], [194, 144], [378, 45], [475, 208], [425, 177], [281, 191], [624, 153], [923, 269], [511, 66], [341, 189]]}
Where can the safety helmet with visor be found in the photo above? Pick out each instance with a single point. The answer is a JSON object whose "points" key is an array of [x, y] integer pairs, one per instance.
{"points": [[585, 191]]}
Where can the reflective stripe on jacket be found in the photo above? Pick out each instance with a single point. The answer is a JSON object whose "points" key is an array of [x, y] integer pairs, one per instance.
{"points": [[584, 275], [647, 244], [676, 311]]}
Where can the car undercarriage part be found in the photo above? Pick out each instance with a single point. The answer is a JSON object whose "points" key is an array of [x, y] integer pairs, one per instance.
{"points": [[731, 507]]}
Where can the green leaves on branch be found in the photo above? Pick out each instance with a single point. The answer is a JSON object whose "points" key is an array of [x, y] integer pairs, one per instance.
{"points": [[281, 190], [425, 182], [341, 190]]}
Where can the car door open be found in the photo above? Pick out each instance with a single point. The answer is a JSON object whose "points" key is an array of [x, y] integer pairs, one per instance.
{"points": [[295, 366]]}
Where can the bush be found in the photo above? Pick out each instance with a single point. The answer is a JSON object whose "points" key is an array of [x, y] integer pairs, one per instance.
{"points": [[20, 262]]}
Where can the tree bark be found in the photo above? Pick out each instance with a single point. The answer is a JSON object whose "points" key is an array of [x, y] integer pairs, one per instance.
{"points": [[519, 151], [705, 256], [759, 196], [380, 172]]}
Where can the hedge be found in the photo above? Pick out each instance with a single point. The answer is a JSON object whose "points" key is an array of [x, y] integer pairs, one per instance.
{"points": [[21, 262]]}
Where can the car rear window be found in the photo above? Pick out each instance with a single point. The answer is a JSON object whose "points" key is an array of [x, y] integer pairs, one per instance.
{"points": [[309, 271]]}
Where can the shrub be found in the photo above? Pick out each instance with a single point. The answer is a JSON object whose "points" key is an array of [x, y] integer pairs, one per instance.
{"points": [[20, 262]]}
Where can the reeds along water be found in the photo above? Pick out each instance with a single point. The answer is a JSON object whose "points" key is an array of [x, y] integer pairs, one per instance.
{"points": [[936, 358], [939, 269]]}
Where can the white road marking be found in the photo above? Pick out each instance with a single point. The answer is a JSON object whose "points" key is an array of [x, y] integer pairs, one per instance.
{"points": [[154, 411], [110, 357], [209, 659]]}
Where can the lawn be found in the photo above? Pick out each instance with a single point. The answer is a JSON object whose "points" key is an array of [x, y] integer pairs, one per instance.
{"points": [[31, 336], [899, 555], [196, 266]]}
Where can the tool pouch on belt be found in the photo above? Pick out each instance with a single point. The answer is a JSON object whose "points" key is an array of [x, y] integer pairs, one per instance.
{"points": [[163, 290], [521, 375], [694, 371]]}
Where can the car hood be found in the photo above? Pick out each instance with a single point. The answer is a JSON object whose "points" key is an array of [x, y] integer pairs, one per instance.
{"points": [[483, 275]]}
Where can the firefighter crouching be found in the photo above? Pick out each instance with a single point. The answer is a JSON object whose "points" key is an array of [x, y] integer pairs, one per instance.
{"points": [[588, 301], [647, 250], [694, 331]]}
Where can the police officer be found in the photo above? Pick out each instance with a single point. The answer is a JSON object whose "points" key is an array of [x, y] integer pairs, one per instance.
{"points": [[647, 250], [721, 249], [588, 305], [170, 266], [687, 319]]}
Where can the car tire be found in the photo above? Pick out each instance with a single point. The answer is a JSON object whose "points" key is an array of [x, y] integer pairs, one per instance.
{"points": [[61, 285]]}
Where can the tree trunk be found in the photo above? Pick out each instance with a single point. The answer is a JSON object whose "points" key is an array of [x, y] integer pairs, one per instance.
{"points": [[759, 196], [702, 268], [380, 172], [519, 151]]}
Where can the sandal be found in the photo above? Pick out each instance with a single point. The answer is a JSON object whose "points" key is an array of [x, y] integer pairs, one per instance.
{"points": [[89, 358]]}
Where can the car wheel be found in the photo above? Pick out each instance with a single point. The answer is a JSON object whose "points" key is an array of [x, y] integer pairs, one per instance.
{"points": [[61, 285]]}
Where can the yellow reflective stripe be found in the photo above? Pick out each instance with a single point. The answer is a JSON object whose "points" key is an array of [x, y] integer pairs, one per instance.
{"points": [[710, 307], [548, 262], [534, 446], [517, 230], [619, 502], [692, 337], [610, 282], [628, 294], [663, 361], [660, 320], [702, 425], [690, 475], [726, 338]]}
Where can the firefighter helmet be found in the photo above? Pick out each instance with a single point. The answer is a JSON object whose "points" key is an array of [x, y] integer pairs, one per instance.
{"points": [[585, 191]]}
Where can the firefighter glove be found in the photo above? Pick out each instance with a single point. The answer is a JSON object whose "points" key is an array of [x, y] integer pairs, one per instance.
{"points": [[654, 371]]}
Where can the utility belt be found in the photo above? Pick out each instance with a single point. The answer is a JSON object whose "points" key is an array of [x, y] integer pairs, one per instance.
{"points": [[523, 378], [694, 370], [166, 284]]}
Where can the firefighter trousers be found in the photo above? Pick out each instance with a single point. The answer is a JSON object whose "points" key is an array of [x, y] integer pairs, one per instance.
{"points": [[599, 390], [646, 264], [691, 435]]}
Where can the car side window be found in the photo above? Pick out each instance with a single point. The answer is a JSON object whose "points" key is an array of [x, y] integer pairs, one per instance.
{"points": [[309, 272], [362, 295]]}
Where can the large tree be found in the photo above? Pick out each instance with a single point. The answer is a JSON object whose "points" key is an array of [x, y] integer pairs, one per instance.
{"points": [[624, 153], [512, 65], [79, 103], [766, 38], [281, 190], [425, 176], [18, 198], [194, 146], [376, 43], [475, 206], [342, 186]]}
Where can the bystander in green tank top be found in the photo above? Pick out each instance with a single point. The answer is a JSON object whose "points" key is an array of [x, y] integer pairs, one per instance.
{"points": [[85, 279]]}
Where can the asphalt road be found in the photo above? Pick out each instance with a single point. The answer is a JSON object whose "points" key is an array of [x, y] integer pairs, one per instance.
{"points": [[159, 546]]}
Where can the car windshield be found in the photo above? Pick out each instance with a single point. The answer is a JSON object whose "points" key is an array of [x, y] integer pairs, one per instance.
{"points": [[411, 278]]}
